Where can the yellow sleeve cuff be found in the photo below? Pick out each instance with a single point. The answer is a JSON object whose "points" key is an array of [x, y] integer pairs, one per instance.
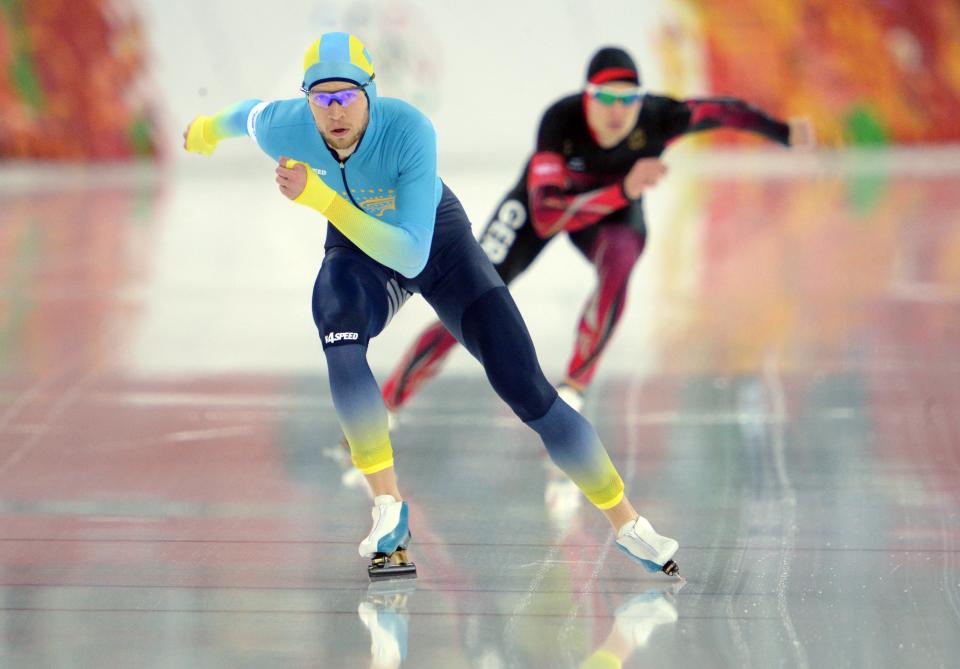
{"points": [[200, 137], [316, 194]]}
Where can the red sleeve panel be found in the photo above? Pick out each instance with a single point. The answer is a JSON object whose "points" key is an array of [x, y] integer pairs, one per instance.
{"points": [[554, 210], [707, 113]]}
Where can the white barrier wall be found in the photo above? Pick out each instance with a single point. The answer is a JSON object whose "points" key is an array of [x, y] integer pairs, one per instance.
{"points": [[482, 71]]}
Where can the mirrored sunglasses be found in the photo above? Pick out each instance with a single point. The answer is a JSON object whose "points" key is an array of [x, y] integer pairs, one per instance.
{"points": [[344, 98], [610, 96]]}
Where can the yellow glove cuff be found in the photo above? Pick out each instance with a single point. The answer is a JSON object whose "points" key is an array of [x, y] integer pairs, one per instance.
{"points": [[199, 136], [316, 194]]}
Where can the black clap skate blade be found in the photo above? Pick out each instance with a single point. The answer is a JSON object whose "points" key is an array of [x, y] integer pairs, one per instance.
{"points": [[671, 568], [395, 565]]}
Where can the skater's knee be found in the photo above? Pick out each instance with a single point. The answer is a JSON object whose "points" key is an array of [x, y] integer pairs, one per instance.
{"points": [[616, 253], [616, 267], [345, 309]]}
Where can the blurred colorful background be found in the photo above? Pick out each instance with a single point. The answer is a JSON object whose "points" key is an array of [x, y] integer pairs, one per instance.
{"points": [[867, 71], [73, 81], [787, 353], [100, 79]]}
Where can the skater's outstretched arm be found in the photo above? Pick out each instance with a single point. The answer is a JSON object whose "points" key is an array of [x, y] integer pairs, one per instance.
{"points": [[699, 114], [205, 132]]}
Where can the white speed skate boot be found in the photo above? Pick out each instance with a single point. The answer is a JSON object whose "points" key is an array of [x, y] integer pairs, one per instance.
{"points": [[386, 545], [640, 541]]}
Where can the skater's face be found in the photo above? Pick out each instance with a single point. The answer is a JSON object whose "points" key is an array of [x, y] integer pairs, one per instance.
{"points": [[612, 110], [341, 111]]}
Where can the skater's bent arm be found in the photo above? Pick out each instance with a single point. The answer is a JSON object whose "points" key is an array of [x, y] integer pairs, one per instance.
{"points": [[404, 246], [554, 209]]}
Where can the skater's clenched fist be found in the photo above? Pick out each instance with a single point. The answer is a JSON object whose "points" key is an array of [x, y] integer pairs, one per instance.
{"points": [[291, 180], [198, 137], [645, 173]]}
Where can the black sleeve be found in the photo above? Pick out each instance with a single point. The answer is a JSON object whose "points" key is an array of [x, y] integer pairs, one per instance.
{"points": [[699, 114]]}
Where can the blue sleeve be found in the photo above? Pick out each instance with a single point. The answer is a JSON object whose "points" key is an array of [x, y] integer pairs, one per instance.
{"points": [[232, 121], [416, 194]]}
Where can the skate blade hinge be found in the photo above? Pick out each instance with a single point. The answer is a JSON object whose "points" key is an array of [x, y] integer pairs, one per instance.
{"points": [[394, 565]]}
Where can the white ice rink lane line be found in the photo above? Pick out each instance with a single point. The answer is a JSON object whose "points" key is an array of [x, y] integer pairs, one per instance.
{"points": [[67, 398], [788, 506], [35, 391], [920, 430], [51, 381], [210, 434]]}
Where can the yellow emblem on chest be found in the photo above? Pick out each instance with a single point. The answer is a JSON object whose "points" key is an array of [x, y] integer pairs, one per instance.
{"points": [[378, 205]]}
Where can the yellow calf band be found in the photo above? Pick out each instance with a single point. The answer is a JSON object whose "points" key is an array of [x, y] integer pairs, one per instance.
{"points": [[316, 194], [379, 467], [199, 137], [602, 659], [607, 504]]}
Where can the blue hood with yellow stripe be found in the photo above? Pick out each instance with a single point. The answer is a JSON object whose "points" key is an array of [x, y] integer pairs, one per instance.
{"points": [[339, 56]]}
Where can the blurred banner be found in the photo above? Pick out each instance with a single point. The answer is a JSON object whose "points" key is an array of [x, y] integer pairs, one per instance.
{"points": [[72, 81], [867, 71], [114, 79]]}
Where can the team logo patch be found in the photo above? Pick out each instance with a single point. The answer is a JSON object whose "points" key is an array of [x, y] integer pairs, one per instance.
{"points": [[637, 139], [379, 205], [334, 337]]}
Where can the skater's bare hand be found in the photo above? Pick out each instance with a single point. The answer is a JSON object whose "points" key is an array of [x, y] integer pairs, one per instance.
{"points": [[645, 173], [802, 133], [292, 180]]}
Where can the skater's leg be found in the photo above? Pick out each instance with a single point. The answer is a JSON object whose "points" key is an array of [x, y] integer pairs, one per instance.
{"points": [[362, 416], [475, 306], [350, 305], [614, 251], [510, 243], [509, 360], [490, 326], [575, 448]]}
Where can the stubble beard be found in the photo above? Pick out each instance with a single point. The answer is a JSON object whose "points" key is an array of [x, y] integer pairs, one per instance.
{"points": [[343, 143]]}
